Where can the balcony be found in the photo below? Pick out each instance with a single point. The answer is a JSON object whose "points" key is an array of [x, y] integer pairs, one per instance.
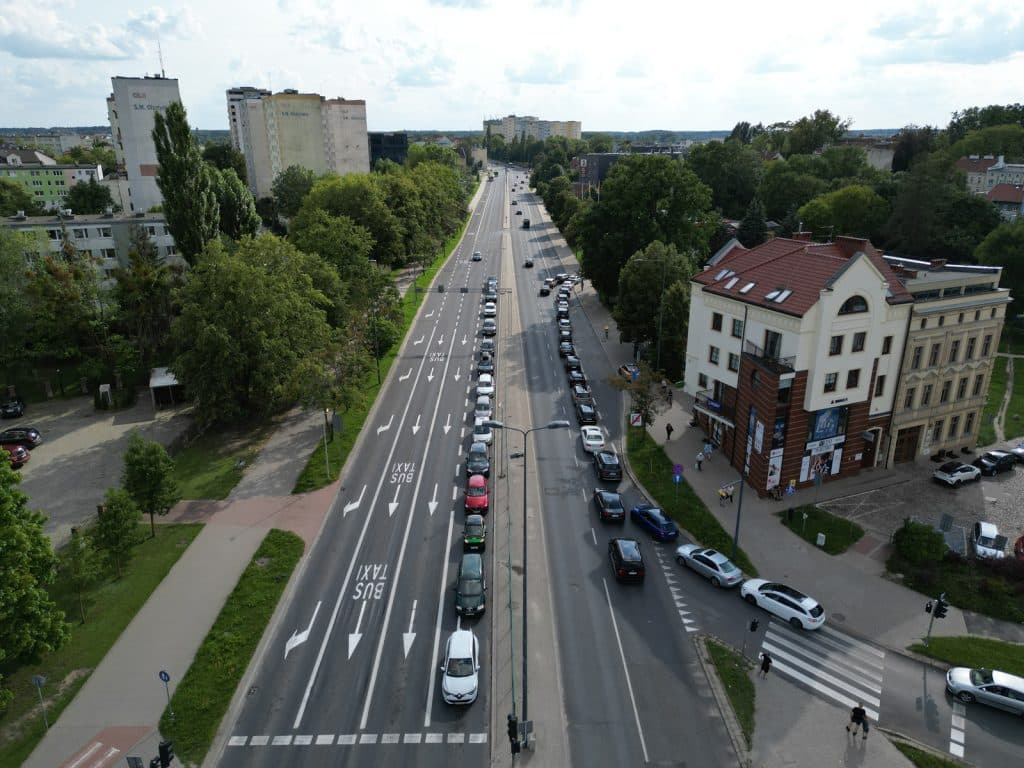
{"points": [[777, 365]]}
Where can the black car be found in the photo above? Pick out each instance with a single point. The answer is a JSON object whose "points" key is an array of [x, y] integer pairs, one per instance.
{"points": [[477, 461], [993, 462], [626, 560], [544, 291], [607, 465], [12, 408], [565, 348], [486, 364], [609, 505], [528, 263], [585, 413], [490, 295], [573, 363], [581, 393], [26, 436], [577, 377]]}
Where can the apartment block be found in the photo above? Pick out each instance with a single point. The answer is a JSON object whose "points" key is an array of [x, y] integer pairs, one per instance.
{"points": [[516, 126], [46, 180], [985, 172]]}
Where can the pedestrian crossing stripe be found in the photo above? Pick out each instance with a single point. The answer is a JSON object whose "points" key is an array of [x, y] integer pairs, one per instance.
{"points": [[349, 739], [830, 663], [690, 625]]}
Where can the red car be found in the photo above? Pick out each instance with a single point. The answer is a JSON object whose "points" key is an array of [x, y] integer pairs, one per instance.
{"points": [[476, 495], [19, 455]]}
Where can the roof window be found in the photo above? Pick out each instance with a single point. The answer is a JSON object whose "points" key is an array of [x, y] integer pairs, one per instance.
{"points": [[746, 288], [732, 282]]}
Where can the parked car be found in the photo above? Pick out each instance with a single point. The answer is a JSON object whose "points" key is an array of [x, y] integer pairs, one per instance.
{"points": [[549, 282], [564, 336], [12, 408], [609, 505], [655, 521], [1018, 452], [573, 363], [987, 542], [709, 563], [476, 494], [490, 327], [626, 560], [607, 465], [26, 436], [581, 393], [485, 385], [482, 432], [461, 668], [593, 439], [561, 277], [19, 454], [490, 309], [564, 324], [577, 377], [629, 371], [586, 413], [544, 291], [485, 364], [987, 686], [955, 473], [477, 460], [470, 589], [474, 534], [565, 348], [487, 345], [993, 462], [791, 605], [482, 409]]}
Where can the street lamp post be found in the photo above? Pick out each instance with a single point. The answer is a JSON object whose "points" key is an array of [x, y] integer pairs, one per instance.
{"points": [[739, 511], [557, 424]]}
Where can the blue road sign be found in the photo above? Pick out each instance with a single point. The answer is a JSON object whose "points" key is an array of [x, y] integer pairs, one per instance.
{"points": [[164, 676], [677, 479]]}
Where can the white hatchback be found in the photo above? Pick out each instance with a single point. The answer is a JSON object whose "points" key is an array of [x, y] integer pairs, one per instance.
{"points": [[485, 385], [801, 611], [490, 309], [593, 439], [460, 671]]}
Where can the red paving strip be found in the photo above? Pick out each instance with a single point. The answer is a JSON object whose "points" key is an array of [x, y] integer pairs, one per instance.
{"points": [[108, 747]]}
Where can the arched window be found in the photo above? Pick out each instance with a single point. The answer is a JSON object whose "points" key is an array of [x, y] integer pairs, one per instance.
{"points": [[853, 305]]}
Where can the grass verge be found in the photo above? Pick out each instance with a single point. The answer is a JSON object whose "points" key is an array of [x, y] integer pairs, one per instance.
{"points": [[110, 607], [734, 672], [1013, 422], [203, 696], [214, 463], [922, 759], [996, 392], [840, 533], [975, 652], [654, 471]]}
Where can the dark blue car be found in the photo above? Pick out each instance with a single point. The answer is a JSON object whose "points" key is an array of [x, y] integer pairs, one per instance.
{"points": [[655, 521]]}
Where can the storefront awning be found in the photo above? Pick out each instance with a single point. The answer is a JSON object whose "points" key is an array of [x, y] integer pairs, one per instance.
{"points": [[713, 415]]}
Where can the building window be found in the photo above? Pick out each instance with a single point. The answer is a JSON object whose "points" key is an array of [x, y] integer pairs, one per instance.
{"points": [[971, 343], [54, 234], [830, 381], [853, 305], [926, 395], [937, 431], [961, 389], [977, 314], [887, 345], [933, 356], [171, 250], [734, 362], [954, 425], [954, 350], [968, 424], [772, 344], [979, 380], [713, 355], [702, 380], [737, 329], [993, 313], [835, 347], [853, 378], [151, 230], [79, 234], [915, 363], [104, 231], [716, 321], [986, 345], [960, 319], [908, 398], [942, 320], [924, 323], [858, 341], [879, 386], [944, 394]]}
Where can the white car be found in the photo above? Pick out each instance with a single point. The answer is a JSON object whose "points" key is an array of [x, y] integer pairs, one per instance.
{"points": [[593, 439], [485, 385], [490, 309], [955, 473], [987, 541], [482, 409], [477, 256], [482, 433], [460, 671], [709, 563], [801, 611]]}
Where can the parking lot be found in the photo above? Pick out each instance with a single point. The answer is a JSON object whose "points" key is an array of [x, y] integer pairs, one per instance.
{"points": [[82, 454]]}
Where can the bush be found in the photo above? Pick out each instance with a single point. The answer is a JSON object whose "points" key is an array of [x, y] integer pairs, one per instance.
{"points": [[919, 544]]}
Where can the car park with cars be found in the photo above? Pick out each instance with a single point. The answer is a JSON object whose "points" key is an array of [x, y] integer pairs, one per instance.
{"points": [[956, 473], [987, 686], [626, 560], [609, 505], [607, 465], [790, 605], [478, 462], [461, 668], [709, 563], [993, 462], [654, 520]]}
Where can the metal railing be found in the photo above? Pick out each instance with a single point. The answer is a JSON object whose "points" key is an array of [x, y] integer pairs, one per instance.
{"points": [[773, 363]]}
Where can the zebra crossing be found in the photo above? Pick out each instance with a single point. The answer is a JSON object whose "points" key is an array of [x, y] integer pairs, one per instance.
{"points": [[829, 663], [671, 571], [352, 739]]}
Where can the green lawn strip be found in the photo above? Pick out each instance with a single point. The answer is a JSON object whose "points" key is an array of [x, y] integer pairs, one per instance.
{"points": [[734, 672], [1012, 340], [840, 533], [203, 695], [922, 759], [975, 652], [654, 471], [211, 466], [996, 391], [1013, 421], [109, 608]]}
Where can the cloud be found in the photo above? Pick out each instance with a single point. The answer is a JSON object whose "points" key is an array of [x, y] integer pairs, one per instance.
{"points": [[424, 70], [960, 40], [156, 21], [772, 62], [471, 4], [543, 71], [632, 67]]}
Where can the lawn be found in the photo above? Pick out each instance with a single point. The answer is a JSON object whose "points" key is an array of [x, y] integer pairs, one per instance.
{"points": [[996, 391], [1013, 422], [975, 652], [840, 533], [109, 609], [734, 672], [214, 463], [653, 469], [922, 759], [202, 698]]}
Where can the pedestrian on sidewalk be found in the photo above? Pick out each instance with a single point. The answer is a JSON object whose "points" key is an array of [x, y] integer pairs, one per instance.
{"points": [[858, 719], [700, 460], [669, 429], [766, 664], [606, 333]]}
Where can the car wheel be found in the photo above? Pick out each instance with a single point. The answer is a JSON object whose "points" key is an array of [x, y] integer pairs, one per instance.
{"points": [[965, 697], [715, 582], [795, 623], [956, 484], [680, 560], [750, 599]]}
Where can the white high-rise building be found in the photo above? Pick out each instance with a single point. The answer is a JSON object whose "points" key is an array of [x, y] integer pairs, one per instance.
{"points": [[517, 126], [275, 131], [130, 108]]}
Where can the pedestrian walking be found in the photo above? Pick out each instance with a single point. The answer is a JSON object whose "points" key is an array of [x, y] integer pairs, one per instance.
{"points": [[670, 395], [766, 664], [669, 429], [858, 719], [606, 333], [700, 460]]}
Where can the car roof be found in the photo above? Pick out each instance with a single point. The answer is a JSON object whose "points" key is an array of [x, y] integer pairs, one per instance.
{"points": [[474, 520], [604, 453], [997, 454], [987, 530], [460, 644], [949, 466], [476, 480], [628, 547]]}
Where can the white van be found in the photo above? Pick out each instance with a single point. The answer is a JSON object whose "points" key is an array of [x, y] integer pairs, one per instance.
{"points": [[482, 433], [482, 410]]}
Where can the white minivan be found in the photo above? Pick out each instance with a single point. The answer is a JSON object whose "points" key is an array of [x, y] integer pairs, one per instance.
{"points": [[482, 410]]}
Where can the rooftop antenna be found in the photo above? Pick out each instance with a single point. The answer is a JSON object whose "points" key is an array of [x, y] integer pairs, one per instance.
{"points": [[160, 52]]}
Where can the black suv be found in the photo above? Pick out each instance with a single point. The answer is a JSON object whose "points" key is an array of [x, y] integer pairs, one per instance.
{"points": [[627, 562], [609, 505], [607, 465], [585, 413], [993, 462]]}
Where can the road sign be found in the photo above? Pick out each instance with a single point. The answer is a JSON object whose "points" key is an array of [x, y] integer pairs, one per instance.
{"points": [[634, 420], [164, 676], [677, 469], [677, 479]]}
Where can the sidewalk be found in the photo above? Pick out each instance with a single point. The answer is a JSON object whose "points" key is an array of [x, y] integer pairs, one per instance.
{"points": [[117, 711]]}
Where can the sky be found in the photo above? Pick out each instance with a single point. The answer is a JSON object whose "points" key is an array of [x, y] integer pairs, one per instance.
{"points": [[449, 64]]}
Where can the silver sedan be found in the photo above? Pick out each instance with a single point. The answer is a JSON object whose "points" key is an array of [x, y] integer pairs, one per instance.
{"points": [[710, 564]]}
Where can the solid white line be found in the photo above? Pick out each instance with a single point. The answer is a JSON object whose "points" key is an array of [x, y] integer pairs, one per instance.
{"points": [[593, 534], [622, 656], [437, 624]]}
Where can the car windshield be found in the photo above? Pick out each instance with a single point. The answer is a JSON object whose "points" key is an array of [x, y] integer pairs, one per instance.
{"points": [[949, 467], [727, 566], [471, 587], [473, 530], [630, 550], [459, 668], [611, 501], [476, 490], [981, 677]]}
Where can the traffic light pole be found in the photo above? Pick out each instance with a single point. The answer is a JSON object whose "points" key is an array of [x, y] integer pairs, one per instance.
{"points": [[937, 610]]}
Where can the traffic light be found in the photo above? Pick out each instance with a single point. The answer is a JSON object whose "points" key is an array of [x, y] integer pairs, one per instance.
{"points": [[513, 734], [928, 607], [940, 608], [166, 753]]}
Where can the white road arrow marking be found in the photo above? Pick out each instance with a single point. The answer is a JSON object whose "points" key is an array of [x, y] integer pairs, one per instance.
{"points": [[408, 637], [440, 341], [298, 638], [430, 315], [419, 340], [465, 339], [354, 504], [430, 376], [387, 426], [406, 376], [433, 505], [416, 426], [393, 504], [355, 637], [448, 424], [458, 373]]}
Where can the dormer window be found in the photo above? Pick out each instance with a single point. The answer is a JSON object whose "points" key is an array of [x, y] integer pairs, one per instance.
{"points": [[854, 305]]}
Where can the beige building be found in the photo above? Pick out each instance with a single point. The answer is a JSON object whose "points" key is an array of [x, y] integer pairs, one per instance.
{"points": [[276, 131], [512, 126], [985, 173], [955, 322]]}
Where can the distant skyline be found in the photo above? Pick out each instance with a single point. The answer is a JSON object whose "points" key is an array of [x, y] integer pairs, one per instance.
{"points": [[448, 64]]}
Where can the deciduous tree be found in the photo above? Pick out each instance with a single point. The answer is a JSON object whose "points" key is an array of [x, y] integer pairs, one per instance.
{"points": [[731, 170], [149, 478], [1004, 247], [339, 240], [80, 567], [117, 528], [853, 210], [14, 198], [291, 187], [89, 197], [222, 156], [643, 392], [238, 217]]}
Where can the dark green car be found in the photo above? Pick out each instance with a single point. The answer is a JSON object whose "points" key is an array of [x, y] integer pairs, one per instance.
{"points": [[474, 534], [470, 589]]}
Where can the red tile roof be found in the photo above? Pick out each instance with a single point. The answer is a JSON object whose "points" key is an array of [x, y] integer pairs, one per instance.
{"points": [[975, 164], [1006, 193], [801, 267]]}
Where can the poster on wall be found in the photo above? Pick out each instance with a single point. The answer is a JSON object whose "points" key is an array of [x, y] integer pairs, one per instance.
{"points": [[759, 437], [836, 459], [829, 423], [805, 468], [774, 469], [779, 433]]}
